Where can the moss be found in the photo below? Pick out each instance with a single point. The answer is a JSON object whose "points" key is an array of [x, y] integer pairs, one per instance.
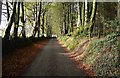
{"points": [[68, 41], [73, 44], [90, 59], [101, 54]]}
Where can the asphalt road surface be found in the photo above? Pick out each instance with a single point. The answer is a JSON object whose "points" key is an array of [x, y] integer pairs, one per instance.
{"points": [[53, 61]]}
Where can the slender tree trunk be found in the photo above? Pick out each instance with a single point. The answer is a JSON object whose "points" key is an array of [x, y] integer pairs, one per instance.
{"points": [[23, 21], [92, 17], [49, 28], [86, 12], [7, 32], [17, 22], [78, 20], [83, 14], [39, 19], [37, 24], [0, 11], [65, 24], [43, 24], [71, 18], [46, 24], [68, 19], [36, 11], [35, 19], [8, 14], [89, 9], [65, 17]]}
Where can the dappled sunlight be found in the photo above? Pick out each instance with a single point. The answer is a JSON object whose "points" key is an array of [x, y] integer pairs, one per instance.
{"points": [[93, 56], [87, 33], [62, 53]]}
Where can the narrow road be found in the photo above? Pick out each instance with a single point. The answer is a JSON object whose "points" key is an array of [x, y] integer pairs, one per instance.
{"points": [[52, 61]]}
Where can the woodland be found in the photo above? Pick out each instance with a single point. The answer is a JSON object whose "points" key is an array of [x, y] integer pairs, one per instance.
{"points": [[89, 30]]}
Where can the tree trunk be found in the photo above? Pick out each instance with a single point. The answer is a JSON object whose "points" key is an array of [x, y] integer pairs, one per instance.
{"points": [[36, 11], [83, 14], [43, 24], [71, 17], [65, 17], [68, 19], [48, 27], [23, 21], [8, 14], [17, 22], [0, 11], [39, 19], [65, 30], [78, 20], [7, 32], [86, 12], [92, 17], [37, 23]]}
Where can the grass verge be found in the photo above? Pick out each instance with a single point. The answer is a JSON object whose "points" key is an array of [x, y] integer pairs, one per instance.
{"points": [[100, 55]]}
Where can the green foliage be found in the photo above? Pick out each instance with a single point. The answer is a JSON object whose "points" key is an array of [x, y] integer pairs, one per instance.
{"points": [[80, 32], [111, 26], [103, 55], [73, 44], [118, 45], [107, 64], [103, 43], [69, 42], [64, 38]]}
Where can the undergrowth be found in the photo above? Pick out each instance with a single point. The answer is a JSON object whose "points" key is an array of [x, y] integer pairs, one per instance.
{"points": [[101, 55]]}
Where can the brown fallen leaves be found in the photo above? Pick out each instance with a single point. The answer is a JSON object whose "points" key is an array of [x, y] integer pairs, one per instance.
{"points": [[79, 64], [16, 62]]}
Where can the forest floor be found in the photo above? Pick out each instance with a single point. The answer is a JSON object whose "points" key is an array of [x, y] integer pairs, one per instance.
{"points": [[14, 63], [44, 58]]}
